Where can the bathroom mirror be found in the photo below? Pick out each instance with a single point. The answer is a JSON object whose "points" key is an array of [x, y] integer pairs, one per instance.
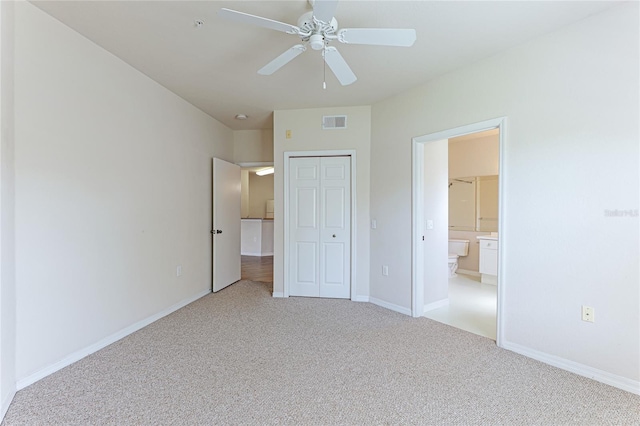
{"points": [[473, 203]]}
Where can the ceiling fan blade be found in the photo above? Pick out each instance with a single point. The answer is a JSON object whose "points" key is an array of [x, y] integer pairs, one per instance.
{"points": [[338, 66], [324, 10], [282, 60], [378, 36], [259, 21]]}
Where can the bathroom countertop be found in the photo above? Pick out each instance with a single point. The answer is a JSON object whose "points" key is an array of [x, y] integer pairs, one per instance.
{"points": [[487, 237]]}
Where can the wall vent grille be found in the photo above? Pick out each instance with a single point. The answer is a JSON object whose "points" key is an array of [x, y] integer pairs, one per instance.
{"points": [[334, 122]]}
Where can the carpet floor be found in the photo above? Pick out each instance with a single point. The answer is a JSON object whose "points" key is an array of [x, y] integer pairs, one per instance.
{"points": [[242, 357]]}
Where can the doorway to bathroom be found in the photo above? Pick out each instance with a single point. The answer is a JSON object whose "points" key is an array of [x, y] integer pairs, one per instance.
{"points": [[457, 216]]}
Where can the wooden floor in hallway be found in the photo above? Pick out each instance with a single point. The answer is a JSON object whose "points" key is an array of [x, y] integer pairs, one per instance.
{"points": [[257, 268]]}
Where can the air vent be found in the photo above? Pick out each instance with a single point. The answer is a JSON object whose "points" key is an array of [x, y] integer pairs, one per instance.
{"points": [[334, 122]]}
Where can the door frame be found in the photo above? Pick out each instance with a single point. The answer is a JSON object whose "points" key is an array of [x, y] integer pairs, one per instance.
{"points": [[328, 153], [418, 216]]}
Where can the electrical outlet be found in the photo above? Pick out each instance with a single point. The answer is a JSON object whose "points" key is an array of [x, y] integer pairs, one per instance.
{"points": [[385, 270], [179, 271], [374, 224], [588, 314]]}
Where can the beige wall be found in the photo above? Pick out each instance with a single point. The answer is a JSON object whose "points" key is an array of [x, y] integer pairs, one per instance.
{"points": [[470, 157], [253, 146], [260, 190], [474, 157], [244, 193], [472, 261], [113, 191], [572, 108], [307, 135]]}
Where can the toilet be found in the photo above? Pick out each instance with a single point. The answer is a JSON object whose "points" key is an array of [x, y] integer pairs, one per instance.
{"points": [[457, 248]]}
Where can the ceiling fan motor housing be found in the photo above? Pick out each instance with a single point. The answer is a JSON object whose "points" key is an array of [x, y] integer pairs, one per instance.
{"points": [[316, 29]]}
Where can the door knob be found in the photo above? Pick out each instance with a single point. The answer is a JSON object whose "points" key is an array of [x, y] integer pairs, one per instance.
{"points": [[334, 235]]}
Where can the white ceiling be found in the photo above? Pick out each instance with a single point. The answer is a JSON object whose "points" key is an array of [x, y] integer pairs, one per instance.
{"points": [[214, 67]]}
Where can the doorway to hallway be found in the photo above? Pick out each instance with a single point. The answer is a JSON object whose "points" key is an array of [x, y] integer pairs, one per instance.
{"points": [[257, 268]]}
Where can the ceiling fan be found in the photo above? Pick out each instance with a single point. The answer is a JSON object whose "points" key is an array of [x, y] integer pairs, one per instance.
{"points": [[317, 28]]}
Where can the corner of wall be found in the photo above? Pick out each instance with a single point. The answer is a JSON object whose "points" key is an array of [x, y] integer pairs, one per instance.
{"points": [[7, 203]]}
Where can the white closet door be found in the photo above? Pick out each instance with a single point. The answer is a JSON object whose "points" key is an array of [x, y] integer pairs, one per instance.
{"points": [[335, 227], [319, 243], [304, 226]]}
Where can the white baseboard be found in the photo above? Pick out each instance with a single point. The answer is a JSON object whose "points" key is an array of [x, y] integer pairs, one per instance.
{"points": [[78, 355], [468, 272], [360, 298], [489, 279], [614, 380], [391, 306], [5, 403], [435, 305], [250, 253], [277, 294]]}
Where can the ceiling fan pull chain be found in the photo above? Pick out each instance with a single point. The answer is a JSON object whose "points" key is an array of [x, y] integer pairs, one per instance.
{"points": [[324, 71]]}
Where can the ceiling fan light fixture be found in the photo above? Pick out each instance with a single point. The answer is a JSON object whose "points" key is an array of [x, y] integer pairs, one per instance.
{"points": [[241, 116], [316, 41]]}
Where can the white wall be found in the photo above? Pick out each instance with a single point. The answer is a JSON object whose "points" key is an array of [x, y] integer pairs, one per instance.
{"points": [[307, 135], [113, 191], [436, 209], [571, 152], [7, 204]]}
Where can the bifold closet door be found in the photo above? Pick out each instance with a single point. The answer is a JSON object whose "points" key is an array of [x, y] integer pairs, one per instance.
{"points": [[319, 243]]}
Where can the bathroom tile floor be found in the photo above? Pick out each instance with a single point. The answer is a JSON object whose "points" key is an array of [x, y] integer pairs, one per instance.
{"points": [[472, 306]]}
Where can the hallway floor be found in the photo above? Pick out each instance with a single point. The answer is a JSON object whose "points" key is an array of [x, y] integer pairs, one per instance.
{"points": [[257, 268], [472, 306]]}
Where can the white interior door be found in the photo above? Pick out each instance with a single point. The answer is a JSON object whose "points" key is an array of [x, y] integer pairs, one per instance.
{"points": [[226, 224], [319, 243]]}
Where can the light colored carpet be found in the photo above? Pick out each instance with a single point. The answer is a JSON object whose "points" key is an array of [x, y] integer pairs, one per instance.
{"points": [[242, 357]]}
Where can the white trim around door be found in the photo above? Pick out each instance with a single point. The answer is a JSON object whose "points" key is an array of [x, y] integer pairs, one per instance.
{"points": [[330, 153], [417, 214]]}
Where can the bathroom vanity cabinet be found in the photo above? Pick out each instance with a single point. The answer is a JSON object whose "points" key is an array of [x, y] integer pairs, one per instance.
{"points": [[488, 259]]}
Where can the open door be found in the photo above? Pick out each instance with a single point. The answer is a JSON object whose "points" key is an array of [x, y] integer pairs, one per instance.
{"points": [[226, 224]]}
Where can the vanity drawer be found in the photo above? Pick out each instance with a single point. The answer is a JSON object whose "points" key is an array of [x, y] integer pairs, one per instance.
{"points": [[488, 244]]}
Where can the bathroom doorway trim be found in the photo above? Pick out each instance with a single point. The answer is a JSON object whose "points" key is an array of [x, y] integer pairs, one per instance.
{"points": [[418, 215]]}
